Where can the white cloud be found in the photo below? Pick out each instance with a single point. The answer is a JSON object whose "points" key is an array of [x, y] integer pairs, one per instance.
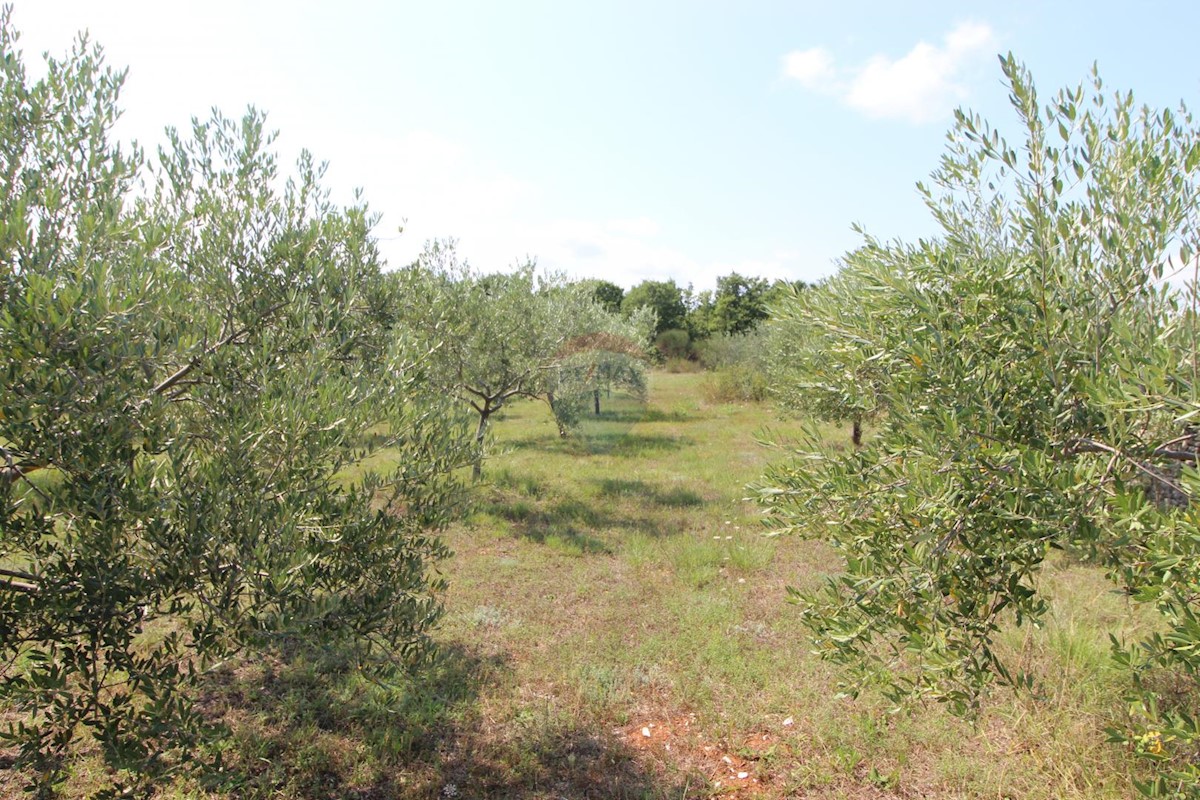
{"points": [[438, 188], [608, 249], [812, 68], [431, 184], [925, 83], [432, 187], [921, 86]]}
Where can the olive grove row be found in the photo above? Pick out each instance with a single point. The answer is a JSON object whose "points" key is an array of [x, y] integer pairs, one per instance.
{"points": [[198, 354], [195, 350]]}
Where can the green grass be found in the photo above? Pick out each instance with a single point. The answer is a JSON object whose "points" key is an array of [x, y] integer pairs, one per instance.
{"points": [[616, 581], [631, 587]]}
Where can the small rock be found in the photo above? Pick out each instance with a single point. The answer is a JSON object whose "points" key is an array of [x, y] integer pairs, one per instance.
{"points": [[743, 775], [789, 721], [646, 732]]}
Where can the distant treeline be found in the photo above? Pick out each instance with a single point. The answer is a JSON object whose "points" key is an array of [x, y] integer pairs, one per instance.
{"points": [[737, 306]]}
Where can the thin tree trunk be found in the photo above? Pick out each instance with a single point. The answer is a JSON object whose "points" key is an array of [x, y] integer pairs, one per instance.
{"points": [[596, 399], [477, 467], [562, 429], [856, 432]]}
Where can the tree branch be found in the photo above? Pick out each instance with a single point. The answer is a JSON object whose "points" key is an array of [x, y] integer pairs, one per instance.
{"points": [[187, 368], [1092, 446], [19, 586], [16, 573], [12, 471]]}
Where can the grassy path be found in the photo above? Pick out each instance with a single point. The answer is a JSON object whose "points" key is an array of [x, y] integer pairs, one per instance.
{"points": [[616, 585], [618, 627]]}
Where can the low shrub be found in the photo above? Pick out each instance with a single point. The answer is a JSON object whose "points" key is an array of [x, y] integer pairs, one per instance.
{"points": [[729, 349], [682, 365], [736, 384], [738, 367], [674, 343]]}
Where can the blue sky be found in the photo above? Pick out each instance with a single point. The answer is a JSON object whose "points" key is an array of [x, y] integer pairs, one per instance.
{"points": [[622, 140]]}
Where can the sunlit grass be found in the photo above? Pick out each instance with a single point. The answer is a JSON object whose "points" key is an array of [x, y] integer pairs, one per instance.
{"points": [[617, 582], [648, 595]]}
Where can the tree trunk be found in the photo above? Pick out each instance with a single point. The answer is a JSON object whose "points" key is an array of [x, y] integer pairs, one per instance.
{"points": [[562, 429], [596, 400], [477, 467], [856, 432]]}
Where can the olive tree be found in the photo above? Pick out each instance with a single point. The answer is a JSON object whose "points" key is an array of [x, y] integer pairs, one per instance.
{"points": [[610, 353], [191, 354], [827, 344], [496, 337], [1038, 388]]}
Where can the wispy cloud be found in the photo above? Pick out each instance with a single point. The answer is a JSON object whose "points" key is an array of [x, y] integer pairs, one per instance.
{"points": [[437, 187], [921, 86], [812, 68]]}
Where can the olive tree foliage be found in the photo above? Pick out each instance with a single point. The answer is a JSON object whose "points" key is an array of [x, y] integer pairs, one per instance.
{"points": [[500, 336], [1039, 384], [189, 357], [595, 364], [602, 350], [827, 353]]}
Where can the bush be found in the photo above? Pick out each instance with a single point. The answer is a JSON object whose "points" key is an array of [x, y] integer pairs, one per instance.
{"points": [[682, 365], [738, 367], [730, 349], [674, 343], [736, 384]]}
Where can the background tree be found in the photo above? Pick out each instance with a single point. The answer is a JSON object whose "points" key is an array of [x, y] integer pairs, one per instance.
{"points": [[607, 295], [737, 306], [664, 298], [184, 370], [1039, 388]]}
